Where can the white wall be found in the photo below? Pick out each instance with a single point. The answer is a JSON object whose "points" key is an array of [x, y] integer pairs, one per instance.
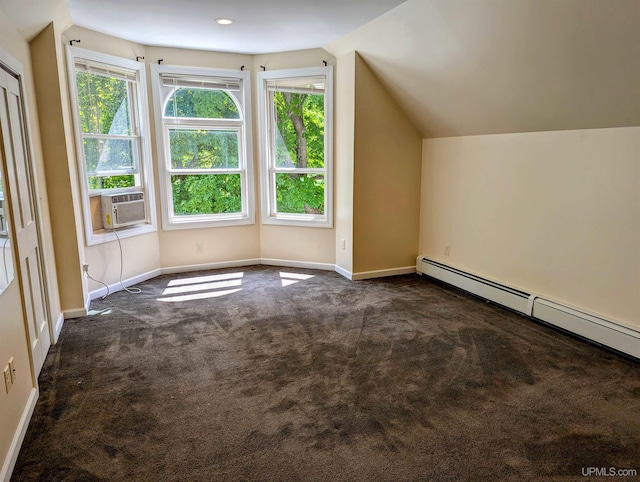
{"points": [[554, 213]]}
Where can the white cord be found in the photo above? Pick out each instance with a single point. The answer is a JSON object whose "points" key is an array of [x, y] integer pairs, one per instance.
{"points": [[86, 271], [128, 290], [4, 259]]}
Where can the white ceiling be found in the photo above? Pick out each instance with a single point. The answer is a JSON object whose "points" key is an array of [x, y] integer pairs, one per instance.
{"points": [[465, 67], [260, 26]]}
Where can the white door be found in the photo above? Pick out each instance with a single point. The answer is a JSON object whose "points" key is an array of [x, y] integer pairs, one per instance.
{"points": [[22, 195]]}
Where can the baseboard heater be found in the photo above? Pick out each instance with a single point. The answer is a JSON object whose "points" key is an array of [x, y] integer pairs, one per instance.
{"points": [[592, 327]]}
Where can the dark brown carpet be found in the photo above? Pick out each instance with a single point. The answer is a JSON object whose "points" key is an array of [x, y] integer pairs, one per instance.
{"points": [[325, 379]]}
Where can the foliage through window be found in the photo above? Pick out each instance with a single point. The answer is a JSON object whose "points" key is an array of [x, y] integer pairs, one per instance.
{"points": [[108, 124], [206, 172], [112, 144], [296, 146]]}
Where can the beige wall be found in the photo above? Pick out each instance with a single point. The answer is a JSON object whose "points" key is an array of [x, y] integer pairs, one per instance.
{"points": [[13, 343], [140, 255], [386, 178], [344, 158], [219, 245], [553, 213], [60, 169], [13, 339]]}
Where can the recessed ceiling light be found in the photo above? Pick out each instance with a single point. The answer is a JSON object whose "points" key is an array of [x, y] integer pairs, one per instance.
{"points": [[224, 21]]}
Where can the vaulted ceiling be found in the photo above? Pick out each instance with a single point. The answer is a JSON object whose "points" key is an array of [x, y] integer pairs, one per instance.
{"points": [[457, 67]]}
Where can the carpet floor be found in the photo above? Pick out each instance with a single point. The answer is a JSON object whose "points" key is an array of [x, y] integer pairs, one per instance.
{"points": [[261, 373]]}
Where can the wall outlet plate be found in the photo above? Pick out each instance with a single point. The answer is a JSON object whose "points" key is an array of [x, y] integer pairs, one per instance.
{"points": [[12, 370], [7, 378]]}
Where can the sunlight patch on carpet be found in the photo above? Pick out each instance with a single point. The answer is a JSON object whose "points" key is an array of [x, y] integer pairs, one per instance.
{"points": [[205, 279], [187, 289], [202, 287], [199, 296], [100, 312], [288, 279]]}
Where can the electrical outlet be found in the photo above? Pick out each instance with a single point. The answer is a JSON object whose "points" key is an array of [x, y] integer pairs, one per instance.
{"points": [[447, 249], [199, 248], [7, 378], [12, 370], [85, 267]]}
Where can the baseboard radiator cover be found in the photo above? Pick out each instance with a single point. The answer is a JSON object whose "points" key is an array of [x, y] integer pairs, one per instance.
{"points": [[594, 328]]}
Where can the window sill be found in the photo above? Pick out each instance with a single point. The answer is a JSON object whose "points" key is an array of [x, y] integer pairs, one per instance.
{"points": [[191, 223], [104, 236], [300, 221]]}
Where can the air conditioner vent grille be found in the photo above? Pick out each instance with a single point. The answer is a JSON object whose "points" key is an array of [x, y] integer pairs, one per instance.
{"points": [[127, 197]]}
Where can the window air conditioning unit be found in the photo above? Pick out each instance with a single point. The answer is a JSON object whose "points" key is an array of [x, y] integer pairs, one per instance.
{"points": [[123, 209]]}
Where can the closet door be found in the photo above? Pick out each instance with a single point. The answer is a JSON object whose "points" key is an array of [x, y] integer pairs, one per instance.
{"points": [[23, 199]]}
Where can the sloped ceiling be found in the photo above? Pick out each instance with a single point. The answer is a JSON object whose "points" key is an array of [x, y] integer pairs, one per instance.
{"points": [[467, 67]]}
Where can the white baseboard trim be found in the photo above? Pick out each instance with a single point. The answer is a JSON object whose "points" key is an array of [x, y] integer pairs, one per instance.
{"points": [[248, 262], [75, 313], [208, 266], [297, 264], [57, 328], [344, 272], [127, 282], [18, 438], [381, 273], [609, 333]]}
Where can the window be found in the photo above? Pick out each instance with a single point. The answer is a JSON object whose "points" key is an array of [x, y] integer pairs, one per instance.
{"points": [[296, 146], [112, 142], [204, 146]]}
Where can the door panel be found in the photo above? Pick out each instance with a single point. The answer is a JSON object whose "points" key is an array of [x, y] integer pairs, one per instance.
{"points": [[25, 224]]}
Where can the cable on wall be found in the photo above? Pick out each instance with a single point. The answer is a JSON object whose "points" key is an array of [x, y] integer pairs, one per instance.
{"points": [[128, 290], [4, 259], [86, 271]]}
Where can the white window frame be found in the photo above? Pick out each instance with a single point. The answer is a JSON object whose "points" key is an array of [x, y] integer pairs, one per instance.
{"points": [[140, 127], [268, 168], [243, 126]]}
